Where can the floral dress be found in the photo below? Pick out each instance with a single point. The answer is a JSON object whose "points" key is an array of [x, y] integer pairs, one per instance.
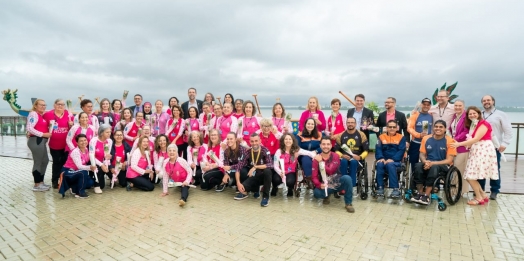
{"points": [[482, 161]]}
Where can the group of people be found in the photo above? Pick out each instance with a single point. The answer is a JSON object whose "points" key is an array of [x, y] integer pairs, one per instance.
{"points": [[216, 145]]}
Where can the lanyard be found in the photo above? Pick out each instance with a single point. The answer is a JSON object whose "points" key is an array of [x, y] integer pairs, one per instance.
{"points": [[443, 110], [485, 118], [255, 160]]}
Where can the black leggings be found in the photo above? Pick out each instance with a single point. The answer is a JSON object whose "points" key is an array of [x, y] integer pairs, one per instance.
{"points": [[59, 159], [143, 182], [212, 178], [184, 193], [291, 179], [198, 176], [101, 177]]}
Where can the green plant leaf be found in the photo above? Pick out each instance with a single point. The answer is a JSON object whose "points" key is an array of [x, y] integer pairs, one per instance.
{"points": [[443, 87], [451, 88]]}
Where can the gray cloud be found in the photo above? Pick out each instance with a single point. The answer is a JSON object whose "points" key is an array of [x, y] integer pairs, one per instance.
{"points": [[286, 49]]}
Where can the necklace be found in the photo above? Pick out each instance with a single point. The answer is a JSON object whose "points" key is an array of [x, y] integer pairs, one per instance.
{"points": [[485, 118], [255, 160], [443, 110]]}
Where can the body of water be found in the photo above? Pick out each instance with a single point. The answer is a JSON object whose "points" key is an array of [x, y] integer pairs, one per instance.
{"points": [[517, 117]]}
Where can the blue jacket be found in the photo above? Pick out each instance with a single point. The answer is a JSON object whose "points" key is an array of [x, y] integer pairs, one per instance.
{"points": [[390, 147]]}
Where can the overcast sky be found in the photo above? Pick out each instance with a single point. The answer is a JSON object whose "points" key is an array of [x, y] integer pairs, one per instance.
{"points": [[274, 48]]}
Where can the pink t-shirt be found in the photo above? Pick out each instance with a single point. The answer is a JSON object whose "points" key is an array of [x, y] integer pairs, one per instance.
{"points": [[76, 160], [138, 165], [250, 125], [178, 130], [36, 124], [193, 125], [176, 172], [74, 131], [226, 124], [60, 129]]}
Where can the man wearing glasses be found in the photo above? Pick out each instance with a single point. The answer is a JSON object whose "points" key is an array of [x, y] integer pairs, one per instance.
{"points": [[392, 114], [138, 104], [389, 153], [443, 110]]}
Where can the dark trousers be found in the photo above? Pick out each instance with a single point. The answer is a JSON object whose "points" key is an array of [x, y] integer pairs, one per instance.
{"points": [[414, 154], [291, 179], [184, 193], [428, 176], [198, 176], [101, 177], [78, 181], [143, 182], [182, 150], [59, 159], [262, 177], [307, 165], [122, 180], [493, 183], [211, 179]]}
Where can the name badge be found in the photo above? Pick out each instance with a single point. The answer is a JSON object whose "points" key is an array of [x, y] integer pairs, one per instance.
{"points": [[246, 132], [173, 135], [157, 128]]}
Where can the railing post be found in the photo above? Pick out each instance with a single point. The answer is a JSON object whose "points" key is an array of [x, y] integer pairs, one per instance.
{"points": [[517, 149]]}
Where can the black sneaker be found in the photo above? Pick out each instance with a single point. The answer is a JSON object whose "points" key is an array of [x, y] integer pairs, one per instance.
{"points": [[83, 196], [220, 188], [256, 194], [424, 200], [289, 192], [415, 198], [336, 194]]}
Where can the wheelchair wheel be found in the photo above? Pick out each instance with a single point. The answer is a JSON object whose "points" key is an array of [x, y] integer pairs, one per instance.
{"points": [[453, 185], [442, 206], [364, 183], [374, 186]]}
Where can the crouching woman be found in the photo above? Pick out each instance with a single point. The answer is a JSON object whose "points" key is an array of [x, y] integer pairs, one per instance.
{"points": [[177, 169], [75, 174], [140, 173]]}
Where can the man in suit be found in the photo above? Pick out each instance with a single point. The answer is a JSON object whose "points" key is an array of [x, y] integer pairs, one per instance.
{"points": [[193, 102], [363, 115], [138, 104], [392, 114]]}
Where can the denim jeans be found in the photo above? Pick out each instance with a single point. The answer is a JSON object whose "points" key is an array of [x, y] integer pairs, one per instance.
{"points": [[493, 183], [353, 167], [392, 173], [345, 184]]}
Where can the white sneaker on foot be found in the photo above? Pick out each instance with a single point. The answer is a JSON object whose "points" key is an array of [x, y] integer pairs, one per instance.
{"points": [[98, 190]]}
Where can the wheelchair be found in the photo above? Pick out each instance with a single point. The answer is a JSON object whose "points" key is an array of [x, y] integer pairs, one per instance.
{"points": [[362, 180], [402, 175], [450, 181]]}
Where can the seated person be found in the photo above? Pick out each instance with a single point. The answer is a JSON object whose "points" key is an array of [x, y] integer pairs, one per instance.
{"points": [[335, 181], [308, 139], [389, 153], [258, 160], [140, 172], [232, 159], [177, 169], [75, 170], [356, 142], [436, 153]]}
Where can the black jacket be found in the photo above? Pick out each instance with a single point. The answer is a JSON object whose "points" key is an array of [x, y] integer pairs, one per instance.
{"points": [[400, 118], [365, 113], [132, 108], [185, 108]]}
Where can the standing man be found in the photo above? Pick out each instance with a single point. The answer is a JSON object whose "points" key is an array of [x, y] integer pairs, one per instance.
{"points": [[193, 102], [443, 110], [392, 114], [501, 129], [138, 105], [335, 181], [420, 125], [362, 114]]}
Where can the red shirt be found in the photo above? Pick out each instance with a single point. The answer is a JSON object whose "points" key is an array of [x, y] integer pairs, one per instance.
{"points": [[60, 129], [270, 142]]}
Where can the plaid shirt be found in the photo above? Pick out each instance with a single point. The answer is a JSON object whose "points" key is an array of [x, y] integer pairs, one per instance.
{"points": [[264, 159], [234, 163]]}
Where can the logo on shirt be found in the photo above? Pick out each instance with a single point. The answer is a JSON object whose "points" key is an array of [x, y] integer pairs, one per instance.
{"points": [[429, 147]]}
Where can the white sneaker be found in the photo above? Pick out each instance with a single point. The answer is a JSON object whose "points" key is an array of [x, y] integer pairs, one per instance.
{"points": [[98, 190]]}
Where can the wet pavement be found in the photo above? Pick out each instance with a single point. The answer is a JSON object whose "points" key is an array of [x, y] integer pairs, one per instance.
{"points": [[135, 225]]}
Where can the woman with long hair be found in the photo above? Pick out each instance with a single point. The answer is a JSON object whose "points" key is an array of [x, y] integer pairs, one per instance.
{"points": [[232, 157], [228, 98], [175, 128], [288, 153], [308, 139], [39, 134], [119, 152], [279, 119], [133, 130], [105, 115], [313, 112], [482, 160], [170, 103], [209, 98], [176, 169], [218, 111], [192, 123], [140, 174], [116, 107], [212, 173], [60, 118], [196, 151], [148, 110], [249, 122], [126, 117], [101, 147]]}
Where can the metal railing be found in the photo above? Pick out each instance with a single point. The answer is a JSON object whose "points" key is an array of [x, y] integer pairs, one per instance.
{"points": [[12, 126], [517, 126]]}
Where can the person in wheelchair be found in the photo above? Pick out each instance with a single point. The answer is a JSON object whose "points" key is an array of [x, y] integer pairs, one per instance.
{"points": [[327, 178], [436, 153], [351, 146], [389, 152]]}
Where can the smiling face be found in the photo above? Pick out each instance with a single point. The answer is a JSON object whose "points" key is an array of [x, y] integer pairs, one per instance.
{"points": [[117, 106], [351, 124], [176, 112], [288, 141], [392, 128], [248, 110], [278, 111], [310, 125], [106, 134], [206, 109], [208, 98], [359, 102], [228, 99], [459, 107], [139, 117], [162, 142], [144, 144], [195, 138], [255, 143], [325, 146], [227, 109], [487, 102], [172, 102], [473, 115], [238, 106], [218, 110], [191, 93], [335, 106], [425, 106], [127, 115], [173, 153], [231, 140], [83, 119], [59, 106], [442, 97], [192, 113], [88, 108], [105, 105], [312, 104], [147, 108], [439, 129], [138, 100], [146, 130], [82, 143], [118, 136], [158, 106], [213, 137]]}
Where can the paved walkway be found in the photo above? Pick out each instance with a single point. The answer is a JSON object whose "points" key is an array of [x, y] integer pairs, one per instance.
{"points": [[121, 225]]}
